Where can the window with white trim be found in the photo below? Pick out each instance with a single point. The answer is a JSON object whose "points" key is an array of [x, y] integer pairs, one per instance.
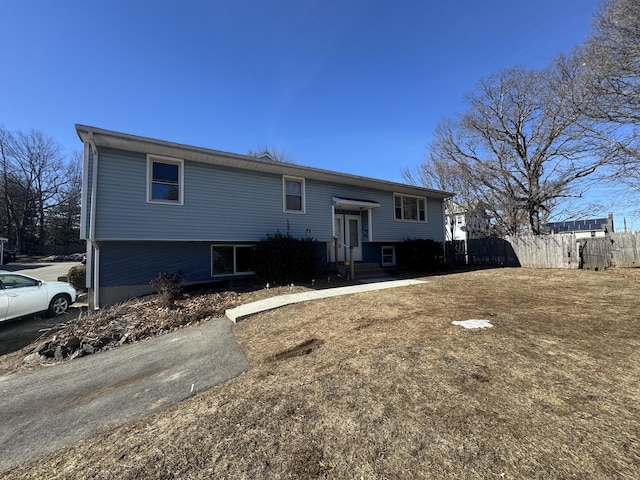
{"points": [[232, 259], [293, 194], [388, 256], [410, 208], [165, 180]]}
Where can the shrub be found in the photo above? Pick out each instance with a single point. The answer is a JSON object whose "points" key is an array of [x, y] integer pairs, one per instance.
{"points": [[77, 277], [168, 287], [420, 255], [281, 259]]}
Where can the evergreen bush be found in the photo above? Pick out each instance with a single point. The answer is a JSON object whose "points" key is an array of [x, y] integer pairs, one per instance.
{"points": [[282, 259], [77, 277], [420, 255]]}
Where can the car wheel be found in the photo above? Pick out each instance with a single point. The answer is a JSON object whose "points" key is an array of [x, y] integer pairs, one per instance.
{"points": [[58, 305]]}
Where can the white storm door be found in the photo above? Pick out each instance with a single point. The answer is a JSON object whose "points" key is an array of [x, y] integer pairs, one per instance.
{"points": [[339, 232], [353, 236]]}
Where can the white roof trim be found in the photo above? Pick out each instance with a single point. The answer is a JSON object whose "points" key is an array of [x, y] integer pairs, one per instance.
{"points": [[359, 204]]}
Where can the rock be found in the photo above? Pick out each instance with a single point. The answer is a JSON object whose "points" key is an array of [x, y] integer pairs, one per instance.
{"points": [[32, 359], [49, 351], [72, 343], [57, 353], [44, 346], [88, 349], [76, 354], [60, 353]]}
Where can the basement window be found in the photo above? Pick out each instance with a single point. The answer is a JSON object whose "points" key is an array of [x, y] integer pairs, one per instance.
{"points": [[232, 259]]}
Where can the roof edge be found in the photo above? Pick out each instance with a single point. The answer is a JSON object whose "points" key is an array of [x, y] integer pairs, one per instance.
{"points": [[124, 141]]}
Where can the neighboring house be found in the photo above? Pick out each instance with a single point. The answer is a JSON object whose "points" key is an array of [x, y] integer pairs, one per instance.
{"points": [[152, 206], [596, 227], [465, 223]]}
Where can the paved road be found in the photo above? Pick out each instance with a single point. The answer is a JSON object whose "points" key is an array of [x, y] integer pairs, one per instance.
{"points": [[47, 409], [47, 271]]}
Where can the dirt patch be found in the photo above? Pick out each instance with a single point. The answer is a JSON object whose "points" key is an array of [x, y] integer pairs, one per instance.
{"points": [[305, 348], [398, 392]]}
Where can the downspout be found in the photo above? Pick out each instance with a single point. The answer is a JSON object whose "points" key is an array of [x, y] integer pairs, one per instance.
{"points": [[95, 258]]}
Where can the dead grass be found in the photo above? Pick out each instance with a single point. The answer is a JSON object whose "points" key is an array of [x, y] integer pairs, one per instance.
{"points": [[135, 320], [382, 385]]}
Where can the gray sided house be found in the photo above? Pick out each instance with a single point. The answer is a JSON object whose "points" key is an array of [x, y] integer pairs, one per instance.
{"points": [[152, 206]]}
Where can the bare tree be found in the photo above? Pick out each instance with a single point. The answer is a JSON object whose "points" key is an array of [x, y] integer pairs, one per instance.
{"points": [[33, 173], [611, 62], [612, 55], [442, 174], [63, 218], [519, 146], [271, 153]]}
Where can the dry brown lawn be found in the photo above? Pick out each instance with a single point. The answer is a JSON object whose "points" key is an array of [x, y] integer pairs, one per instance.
{"points": [[381, 385]]}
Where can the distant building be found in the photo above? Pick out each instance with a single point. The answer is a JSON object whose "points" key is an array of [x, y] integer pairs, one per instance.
{"points": [[465, 223], [596, 227]]}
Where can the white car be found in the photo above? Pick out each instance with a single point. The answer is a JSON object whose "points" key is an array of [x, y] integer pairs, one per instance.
{"points": [[22, 295]]}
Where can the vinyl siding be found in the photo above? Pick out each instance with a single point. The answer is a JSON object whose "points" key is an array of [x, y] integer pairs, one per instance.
{"points": [[223, 204], [137, 263]]}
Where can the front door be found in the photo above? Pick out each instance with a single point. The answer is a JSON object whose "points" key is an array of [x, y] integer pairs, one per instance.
{"points": [[349, 233]]}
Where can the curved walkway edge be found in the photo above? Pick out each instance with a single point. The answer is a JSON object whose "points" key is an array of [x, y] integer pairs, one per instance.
{"points": [[244, 311]]}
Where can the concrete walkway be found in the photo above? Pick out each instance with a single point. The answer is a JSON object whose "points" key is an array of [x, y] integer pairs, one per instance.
{"points": [[244, 311]]}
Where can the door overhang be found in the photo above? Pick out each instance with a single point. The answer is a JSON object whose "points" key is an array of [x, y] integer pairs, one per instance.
{"points": [[353, 204], [359, 205]]}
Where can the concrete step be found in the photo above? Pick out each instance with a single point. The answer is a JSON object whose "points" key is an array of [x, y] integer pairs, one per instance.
{"points": [[369, 270], [364, 270]]}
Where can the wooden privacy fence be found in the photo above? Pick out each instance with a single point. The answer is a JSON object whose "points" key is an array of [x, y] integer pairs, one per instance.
{"points": [[548, 251], [615, 250]]}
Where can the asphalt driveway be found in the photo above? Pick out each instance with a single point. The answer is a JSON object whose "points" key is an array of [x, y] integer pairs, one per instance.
{"points": [[50, 408]]}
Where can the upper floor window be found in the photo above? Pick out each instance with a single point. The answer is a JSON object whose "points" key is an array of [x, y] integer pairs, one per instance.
{"points": [[410, 208], [165, 180], [293, 194]]}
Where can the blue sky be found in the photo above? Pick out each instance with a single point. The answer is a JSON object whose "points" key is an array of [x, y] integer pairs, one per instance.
{"points": [[355, 86]]}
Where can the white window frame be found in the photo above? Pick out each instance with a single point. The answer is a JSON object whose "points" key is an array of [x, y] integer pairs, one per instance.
{"points": [[235, 247], [151, 159], [284, 194], [402, 196], [393, 256]]}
